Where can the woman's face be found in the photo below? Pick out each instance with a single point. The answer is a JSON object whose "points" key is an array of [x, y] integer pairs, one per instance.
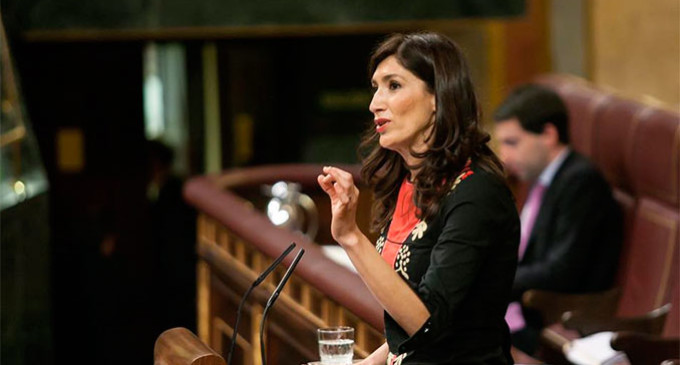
{"points": [[403, 108]]}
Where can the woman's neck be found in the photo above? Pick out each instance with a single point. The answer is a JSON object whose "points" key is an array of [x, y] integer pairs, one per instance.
{"points": [[410, 161]]}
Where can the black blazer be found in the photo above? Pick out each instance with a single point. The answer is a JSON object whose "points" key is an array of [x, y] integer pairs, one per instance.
{"points": [[461, 264], [575, 242]]}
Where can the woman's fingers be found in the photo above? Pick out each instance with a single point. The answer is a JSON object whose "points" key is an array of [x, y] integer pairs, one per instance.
{"points": [[338, 184], [324, 182], [344, 184], [342, 176], [342, 179]]}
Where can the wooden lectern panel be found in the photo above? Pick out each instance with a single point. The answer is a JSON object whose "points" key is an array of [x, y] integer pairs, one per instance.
{"points": [[178, 346]]}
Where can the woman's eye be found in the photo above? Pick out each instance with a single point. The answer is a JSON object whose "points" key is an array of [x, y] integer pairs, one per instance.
{"points": [[394, 85]]}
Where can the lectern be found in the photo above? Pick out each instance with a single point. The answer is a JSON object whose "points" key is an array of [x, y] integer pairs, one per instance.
{"points": [[178, 346]]}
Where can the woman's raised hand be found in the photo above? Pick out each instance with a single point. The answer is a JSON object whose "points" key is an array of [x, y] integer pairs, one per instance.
{"points": [[339, 185]]}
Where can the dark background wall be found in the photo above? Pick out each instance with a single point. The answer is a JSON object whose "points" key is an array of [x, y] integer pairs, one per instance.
{"points": [[107, 265], [102, 14], [100, 295]]}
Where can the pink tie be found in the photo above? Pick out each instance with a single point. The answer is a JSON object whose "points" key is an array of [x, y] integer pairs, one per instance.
{"points": [[514, 316], [533, 205]]}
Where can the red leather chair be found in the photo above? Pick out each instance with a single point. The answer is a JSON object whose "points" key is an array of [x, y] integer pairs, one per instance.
{"points": [[637, 147]]}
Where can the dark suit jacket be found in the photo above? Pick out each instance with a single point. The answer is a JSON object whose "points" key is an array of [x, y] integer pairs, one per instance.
{"points": [[461, 264], [575, 243]]}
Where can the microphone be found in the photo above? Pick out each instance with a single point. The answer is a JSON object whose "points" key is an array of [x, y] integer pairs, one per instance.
{"points": [[255, 283], [273, 298]]}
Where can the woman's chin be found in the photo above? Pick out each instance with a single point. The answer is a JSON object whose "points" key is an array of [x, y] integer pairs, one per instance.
{"points": [[386, 143], [392, 145]]}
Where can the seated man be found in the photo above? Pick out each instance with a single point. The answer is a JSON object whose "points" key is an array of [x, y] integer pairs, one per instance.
{"points": [[570, 224]]}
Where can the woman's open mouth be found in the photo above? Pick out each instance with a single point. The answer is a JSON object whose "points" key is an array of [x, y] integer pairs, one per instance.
{"points": [[381, 124]]}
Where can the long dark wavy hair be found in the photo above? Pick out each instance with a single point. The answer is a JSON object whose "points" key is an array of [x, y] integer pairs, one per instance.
{"points": [[456, 135]]}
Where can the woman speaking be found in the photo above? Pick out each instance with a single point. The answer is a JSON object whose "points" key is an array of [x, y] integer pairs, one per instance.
{"points": [[443, 265]]}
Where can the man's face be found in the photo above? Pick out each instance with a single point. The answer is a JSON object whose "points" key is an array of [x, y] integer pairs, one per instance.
{"points": [[524, 154]]}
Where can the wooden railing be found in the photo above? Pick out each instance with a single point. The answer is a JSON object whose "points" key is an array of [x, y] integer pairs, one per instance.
{"points": [[236, 242]]}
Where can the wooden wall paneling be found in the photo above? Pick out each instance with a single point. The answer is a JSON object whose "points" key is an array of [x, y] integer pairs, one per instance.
{"points": [[527, 51], [634, 47]]}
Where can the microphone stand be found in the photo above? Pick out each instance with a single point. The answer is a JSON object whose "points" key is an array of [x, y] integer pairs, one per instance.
{"points": [[273, 298], [255, 283]]}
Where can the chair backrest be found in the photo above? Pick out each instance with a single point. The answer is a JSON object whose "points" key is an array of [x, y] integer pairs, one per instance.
{"points": [[637, 147], [178, 346]]}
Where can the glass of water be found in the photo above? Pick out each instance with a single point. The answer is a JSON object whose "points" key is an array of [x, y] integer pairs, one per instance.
{"points": [[336, 345]]}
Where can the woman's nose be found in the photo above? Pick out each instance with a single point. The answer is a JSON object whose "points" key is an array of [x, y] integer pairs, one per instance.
{"points": [[377, 103]]}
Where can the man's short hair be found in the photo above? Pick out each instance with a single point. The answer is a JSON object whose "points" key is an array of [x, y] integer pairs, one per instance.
{"points": [[535, 106]]}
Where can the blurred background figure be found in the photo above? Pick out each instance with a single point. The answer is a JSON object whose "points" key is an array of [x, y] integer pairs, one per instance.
{"points": [[172, 229], [571, 226]]}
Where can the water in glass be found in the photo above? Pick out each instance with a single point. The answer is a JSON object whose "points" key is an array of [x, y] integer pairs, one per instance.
{"points": [[336, 345], [338, 352]]}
